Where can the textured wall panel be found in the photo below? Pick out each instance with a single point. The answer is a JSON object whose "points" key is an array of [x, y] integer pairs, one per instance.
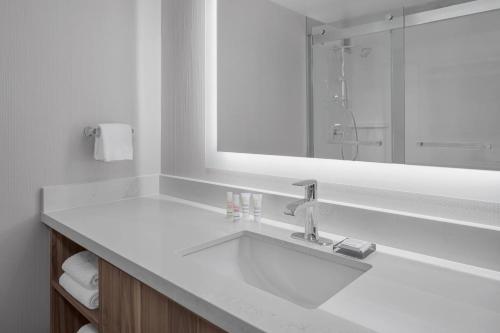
{"points": [[63, 65], [183, 136]]}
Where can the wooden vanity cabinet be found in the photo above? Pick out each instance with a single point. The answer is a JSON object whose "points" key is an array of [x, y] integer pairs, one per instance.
{"points": [[126, 304]]}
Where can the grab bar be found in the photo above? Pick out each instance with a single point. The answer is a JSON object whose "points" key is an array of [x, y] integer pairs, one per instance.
{"points": [[456, 145], [360, 143]]}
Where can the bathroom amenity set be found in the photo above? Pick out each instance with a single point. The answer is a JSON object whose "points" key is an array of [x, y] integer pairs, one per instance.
{"points": [[238, 205], [81, 280]]}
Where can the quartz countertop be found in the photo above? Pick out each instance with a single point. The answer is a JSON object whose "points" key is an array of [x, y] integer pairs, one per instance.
{"points": [[402, 292]]}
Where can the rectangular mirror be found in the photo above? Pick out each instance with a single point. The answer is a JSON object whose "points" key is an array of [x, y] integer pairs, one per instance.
{"points": [[392, 81]]}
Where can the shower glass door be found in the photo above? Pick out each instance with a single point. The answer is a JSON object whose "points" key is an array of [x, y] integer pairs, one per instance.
{"points": [[352, 79]]}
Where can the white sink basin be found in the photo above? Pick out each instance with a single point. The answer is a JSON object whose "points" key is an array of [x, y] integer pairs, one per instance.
{"points": [[299, 274]]}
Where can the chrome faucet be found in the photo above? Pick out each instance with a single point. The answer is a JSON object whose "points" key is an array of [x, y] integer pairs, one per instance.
{"points": [[309, 202]]}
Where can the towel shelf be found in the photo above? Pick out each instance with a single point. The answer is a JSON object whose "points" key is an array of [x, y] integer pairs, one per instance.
{"points": [[91, 315], [67, 314], [122, 301]]}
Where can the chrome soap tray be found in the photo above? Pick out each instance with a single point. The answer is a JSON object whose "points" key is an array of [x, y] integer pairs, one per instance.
{"points": [[355, 248]]}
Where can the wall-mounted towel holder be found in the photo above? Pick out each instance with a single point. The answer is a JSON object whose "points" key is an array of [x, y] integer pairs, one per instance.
{"points": [[95, 131]]}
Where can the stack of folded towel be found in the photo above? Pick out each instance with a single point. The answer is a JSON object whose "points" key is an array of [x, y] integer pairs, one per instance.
{"points": [[89, 328], [81, 277]]}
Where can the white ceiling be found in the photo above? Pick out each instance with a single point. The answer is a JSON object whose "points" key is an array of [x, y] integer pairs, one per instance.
{"points": [[328, 11]]}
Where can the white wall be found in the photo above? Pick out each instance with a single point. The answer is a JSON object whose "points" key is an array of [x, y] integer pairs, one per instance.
{"points": [[262, 79], [148, 115], [65, 65], [183, 57]]}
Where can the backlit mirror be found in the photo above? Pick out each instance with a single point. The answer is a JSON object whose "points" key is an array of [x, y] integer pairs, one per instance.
{"points": [[392, 81]]}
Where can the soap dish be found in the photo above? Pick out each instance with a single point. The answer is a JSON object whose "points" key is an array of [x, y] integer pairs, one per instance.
{"points": [[355, 248]]}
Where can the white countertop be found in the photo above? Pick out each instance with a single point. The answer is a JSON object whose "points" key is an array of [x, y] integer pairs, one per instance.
{"points": [[402, 292]]}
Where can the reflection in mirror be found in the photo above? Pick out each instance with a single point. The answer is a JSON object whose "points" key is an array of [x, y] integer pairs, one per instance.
{"points": [[391, 81], [262, 83], [452, 92], [351, 88]]}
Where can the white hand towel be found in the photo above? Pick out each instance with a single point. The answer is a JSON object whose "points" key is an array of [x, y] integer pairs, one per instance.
{"points": [[114, 143], [87, 297], [89, 328], [83, 268]]}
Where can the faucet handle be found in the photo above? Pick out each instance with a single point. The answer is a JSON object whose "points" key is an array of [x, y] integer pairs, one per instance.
{"points": [[311, 187]]}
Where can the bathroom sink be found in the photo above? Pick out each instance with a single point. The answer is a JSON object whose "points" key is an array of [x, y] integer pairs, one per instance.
{"points": [[299, 274]]}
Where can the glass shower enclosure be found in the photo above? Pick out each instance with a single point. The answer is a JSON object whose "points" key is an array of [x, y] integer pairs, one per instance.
{"points": [[354, 65], [412, 85]]}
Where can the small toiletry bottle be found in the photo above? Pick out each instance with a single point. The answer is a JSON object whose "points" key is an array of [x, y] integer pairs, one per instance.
{"points": [[229, 204], [257, 207], [245, 205], [236, 207]]}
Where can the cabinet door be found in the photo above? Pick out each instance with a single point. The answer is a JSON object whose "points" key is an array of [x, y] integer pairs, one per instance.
{"points": [[181, 319], [207, 327], [161, 315], [129, 306], [120, 298], [155, 314]]}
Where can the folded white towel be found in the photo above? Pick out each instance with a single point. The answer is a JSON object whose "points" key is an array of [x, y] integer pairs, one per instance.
{"points": [[114, 143], [89, 328], [83, 268], [87, 297]]}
